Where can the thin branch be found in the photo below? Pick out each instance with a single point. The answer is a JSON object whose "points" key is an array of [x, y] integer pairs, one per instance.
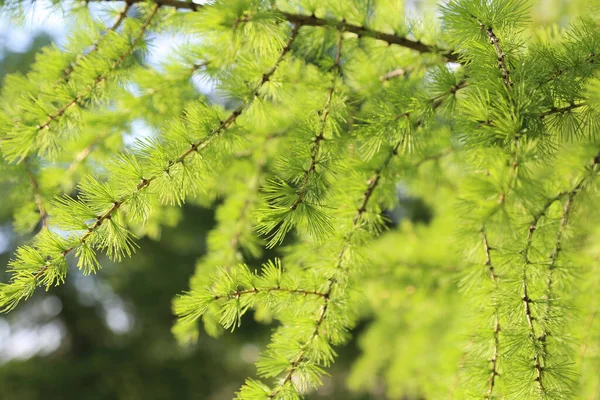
{"points": [[558, 246], [374, 181], [434, 157], [560, 110], [589, 59], [202, 143], [316, 147], [312, 20], [240, 293], [372, 185], [183, 5], [588, 329], [439, 100], [201, 65], [539, 358], [496, 350], [494, 373], [122, 15], [504, 71], [101, 78], [81, 156]]}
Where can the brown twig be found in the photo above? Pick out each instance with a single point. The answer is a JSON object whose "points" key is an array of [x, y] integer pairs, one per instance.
{"points": [[504, 71], [238, 294], [560, 110]]}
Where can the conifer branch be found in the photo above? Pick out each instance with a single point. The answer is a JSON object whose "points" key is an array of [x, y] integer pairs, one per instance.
{"points": [[496, 347], [540, 356], [122, 15], [558, 246], [202, 143], [494, 373], [374, 181], [504, 71], [437, 101], [360, 31], [255, 290], [561, 110], [521, 345], [589, 59], [316, 146], [194, 148], [312, 20], [101, 78], [371, 186]]}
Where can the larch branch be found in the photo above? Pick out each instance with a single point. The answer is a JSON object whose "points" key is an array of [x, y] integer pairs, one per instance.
{"points": [[58, 113], [194, 148], [312, 20], [316, 146], [122, 15]]}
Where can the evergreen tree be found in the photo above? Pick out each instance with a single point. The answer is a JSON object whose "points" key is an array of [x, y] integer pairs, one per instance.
{"points": [[334, 110]]}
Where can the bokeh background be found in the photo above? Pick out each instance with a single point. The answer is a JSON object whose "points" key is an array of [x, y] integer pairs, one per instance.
{"points": [[108, 336]]}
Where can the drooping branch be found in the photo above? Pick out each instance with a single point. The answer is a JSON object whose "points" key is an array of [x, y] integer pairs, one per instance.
{"points": [[504, 71], [316, 146], [122, 15], [78, 98], [372, 185], [526, 300], [496, 347], [195, 147], [540, 356], [566, 211], [322, 314]]}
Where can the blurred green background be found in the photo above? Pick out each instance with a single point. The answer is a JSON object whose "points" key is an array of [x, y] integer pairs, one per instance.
{"points": [[107, 336]]}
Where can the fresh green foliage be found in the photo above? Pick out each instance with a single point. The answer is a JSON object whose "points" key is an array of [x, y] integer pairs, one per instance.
{"points": [[328, 113]]}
